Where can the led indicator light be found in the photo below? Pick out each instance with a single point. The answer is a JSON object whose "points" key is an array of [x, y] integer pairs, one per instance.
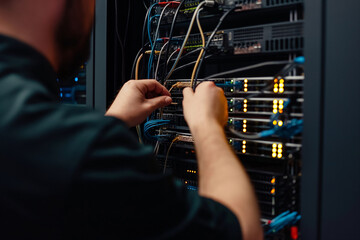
{"points": [[273, 181]]}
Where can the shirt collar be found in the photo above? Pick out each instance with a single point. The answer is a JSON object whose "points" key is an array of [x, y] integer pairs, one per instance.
{"points": [[22, 59]]}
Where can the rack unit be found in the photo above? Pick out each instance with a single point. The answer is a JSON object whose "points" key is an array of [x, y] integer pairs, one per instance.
{"points": [[328, 204]]}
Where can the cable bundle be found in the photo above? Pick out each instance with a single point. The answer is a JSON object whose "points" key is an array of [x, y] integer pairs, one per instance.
{"points": [[283, 220], [151, 124]]}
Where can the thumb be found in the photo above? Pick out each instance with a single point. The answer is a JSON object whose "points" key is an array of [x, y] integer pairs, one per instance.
{"points": [[159, 102], [188, 92]]}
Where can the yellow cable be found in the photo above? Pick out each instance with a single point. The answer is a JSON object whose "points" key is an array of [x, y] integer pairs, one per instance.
{"points": [[168, 152], [202, 50], [137, 67], [138, 129], [139, 60]]}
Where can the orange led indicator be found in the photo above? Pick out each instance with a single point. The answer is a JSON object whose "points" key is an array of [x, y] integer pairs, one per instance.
{"points": [[273, 181]]}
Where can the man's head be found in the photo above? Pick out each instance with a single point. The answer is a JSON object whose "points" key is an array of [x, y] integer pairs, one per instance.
{"points": [[59, 29], [73, 34]]}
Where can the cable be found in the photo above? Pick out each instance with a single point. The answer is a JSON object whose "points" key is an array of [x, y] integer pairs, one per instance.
{"points": [[209, 42], [171, 33], [137, 66], [243, 136], [171, 56], [121, 44], [187, 54], [159, 59], [185, 40], [188, 64], [168, 152], [146, 7], [247, 68], [134, 63], [149, 22], [138, 128], [155, 38], [202, 49], [144, 29], [127, 23]]}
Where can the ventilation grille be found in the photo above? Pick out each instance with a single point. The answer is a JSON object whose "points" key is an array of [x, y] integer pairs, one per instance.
{"points": [[271, 3], [249, 34], [287, 30]]}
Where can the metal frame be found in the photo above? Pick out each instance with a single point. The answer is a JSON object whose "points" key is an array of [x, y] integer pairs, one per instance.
{"points": [[331, 157], [330, 192], [97, 65]]}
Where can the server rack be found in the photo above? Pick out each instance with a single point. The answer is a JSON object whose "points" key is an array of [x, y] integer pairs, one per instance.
{"points": [[329, 187]]}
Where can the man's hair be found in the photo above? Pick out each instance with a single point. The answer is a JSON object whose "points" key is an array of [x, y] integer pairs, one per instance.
{"points": [[72, 41]]}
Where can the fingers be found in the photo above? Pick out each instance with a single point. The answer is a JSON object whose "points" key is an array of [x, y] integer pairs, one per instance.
{"points": [[159, 102], [153, 88], [188, 92]]}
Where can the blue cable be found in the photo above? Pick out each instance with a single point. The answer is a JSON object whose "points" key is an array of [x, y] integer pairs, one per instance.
{"points": [[154, 124], [149, 22], [299, 60], [283, 220]]}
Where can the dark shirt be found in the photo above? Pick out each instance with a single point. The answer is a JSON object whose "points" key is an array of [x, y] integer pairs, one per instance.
{"points": [[68, 172]]}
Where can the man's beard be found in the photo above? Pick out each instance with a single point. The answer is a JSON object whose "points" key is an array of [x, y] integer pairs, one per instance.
{"points": [[72, 41]]}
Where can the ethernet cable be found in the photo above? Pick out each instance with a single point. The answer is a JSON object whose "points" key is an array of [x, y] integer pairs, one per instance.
{"points": [[202, 49], [172, 55], [208, 43], [138, 128], [168, 152], [155, 38], [185, 40], [171, 34], [285, 219], [186, 54], [237, 70], [139, 60], [149, 22], [159, 59], [154, 124]]}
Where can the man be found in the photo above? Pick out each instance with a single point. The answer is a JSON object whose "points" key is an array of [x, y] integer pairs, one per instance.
{"points": [[70, 173]]}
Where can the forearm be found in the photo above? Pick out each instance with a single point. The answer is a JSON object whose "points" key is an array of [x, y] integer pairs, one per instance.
{"points": [[223, 178]]}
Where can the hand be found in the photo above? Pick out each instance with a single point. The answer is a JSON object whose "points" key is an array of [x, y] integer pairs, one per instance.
{"points": [[206, 104], [137, 100]]}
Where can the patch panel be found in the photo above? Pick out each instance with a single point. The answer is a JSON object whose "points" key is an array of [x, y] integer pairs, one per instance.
{"points": [[249, 85], [265, 148], [265, 106], [252, 106]]}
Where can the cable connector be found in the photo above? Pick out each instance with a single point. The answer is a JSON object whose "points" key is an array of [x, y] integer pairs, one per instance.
{"points": [[185, 138], [172, 4], [211, 3], [162, 40], [155, 52], [180, 85]]}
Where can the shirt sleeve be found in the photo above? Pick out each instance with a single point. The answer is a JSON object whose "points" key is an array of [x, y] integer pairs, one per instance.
{"points": [[120, 193]]}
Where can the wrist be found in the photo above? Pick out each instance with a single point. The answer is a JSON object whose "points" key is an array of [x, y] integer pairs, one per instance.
{"points": [[206, 129]]}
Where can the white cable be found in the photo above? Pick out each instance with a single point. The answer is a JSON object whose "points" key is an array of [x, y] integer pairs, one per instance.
{"points": [[185, 40], [171, 56], [159, 59]]}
